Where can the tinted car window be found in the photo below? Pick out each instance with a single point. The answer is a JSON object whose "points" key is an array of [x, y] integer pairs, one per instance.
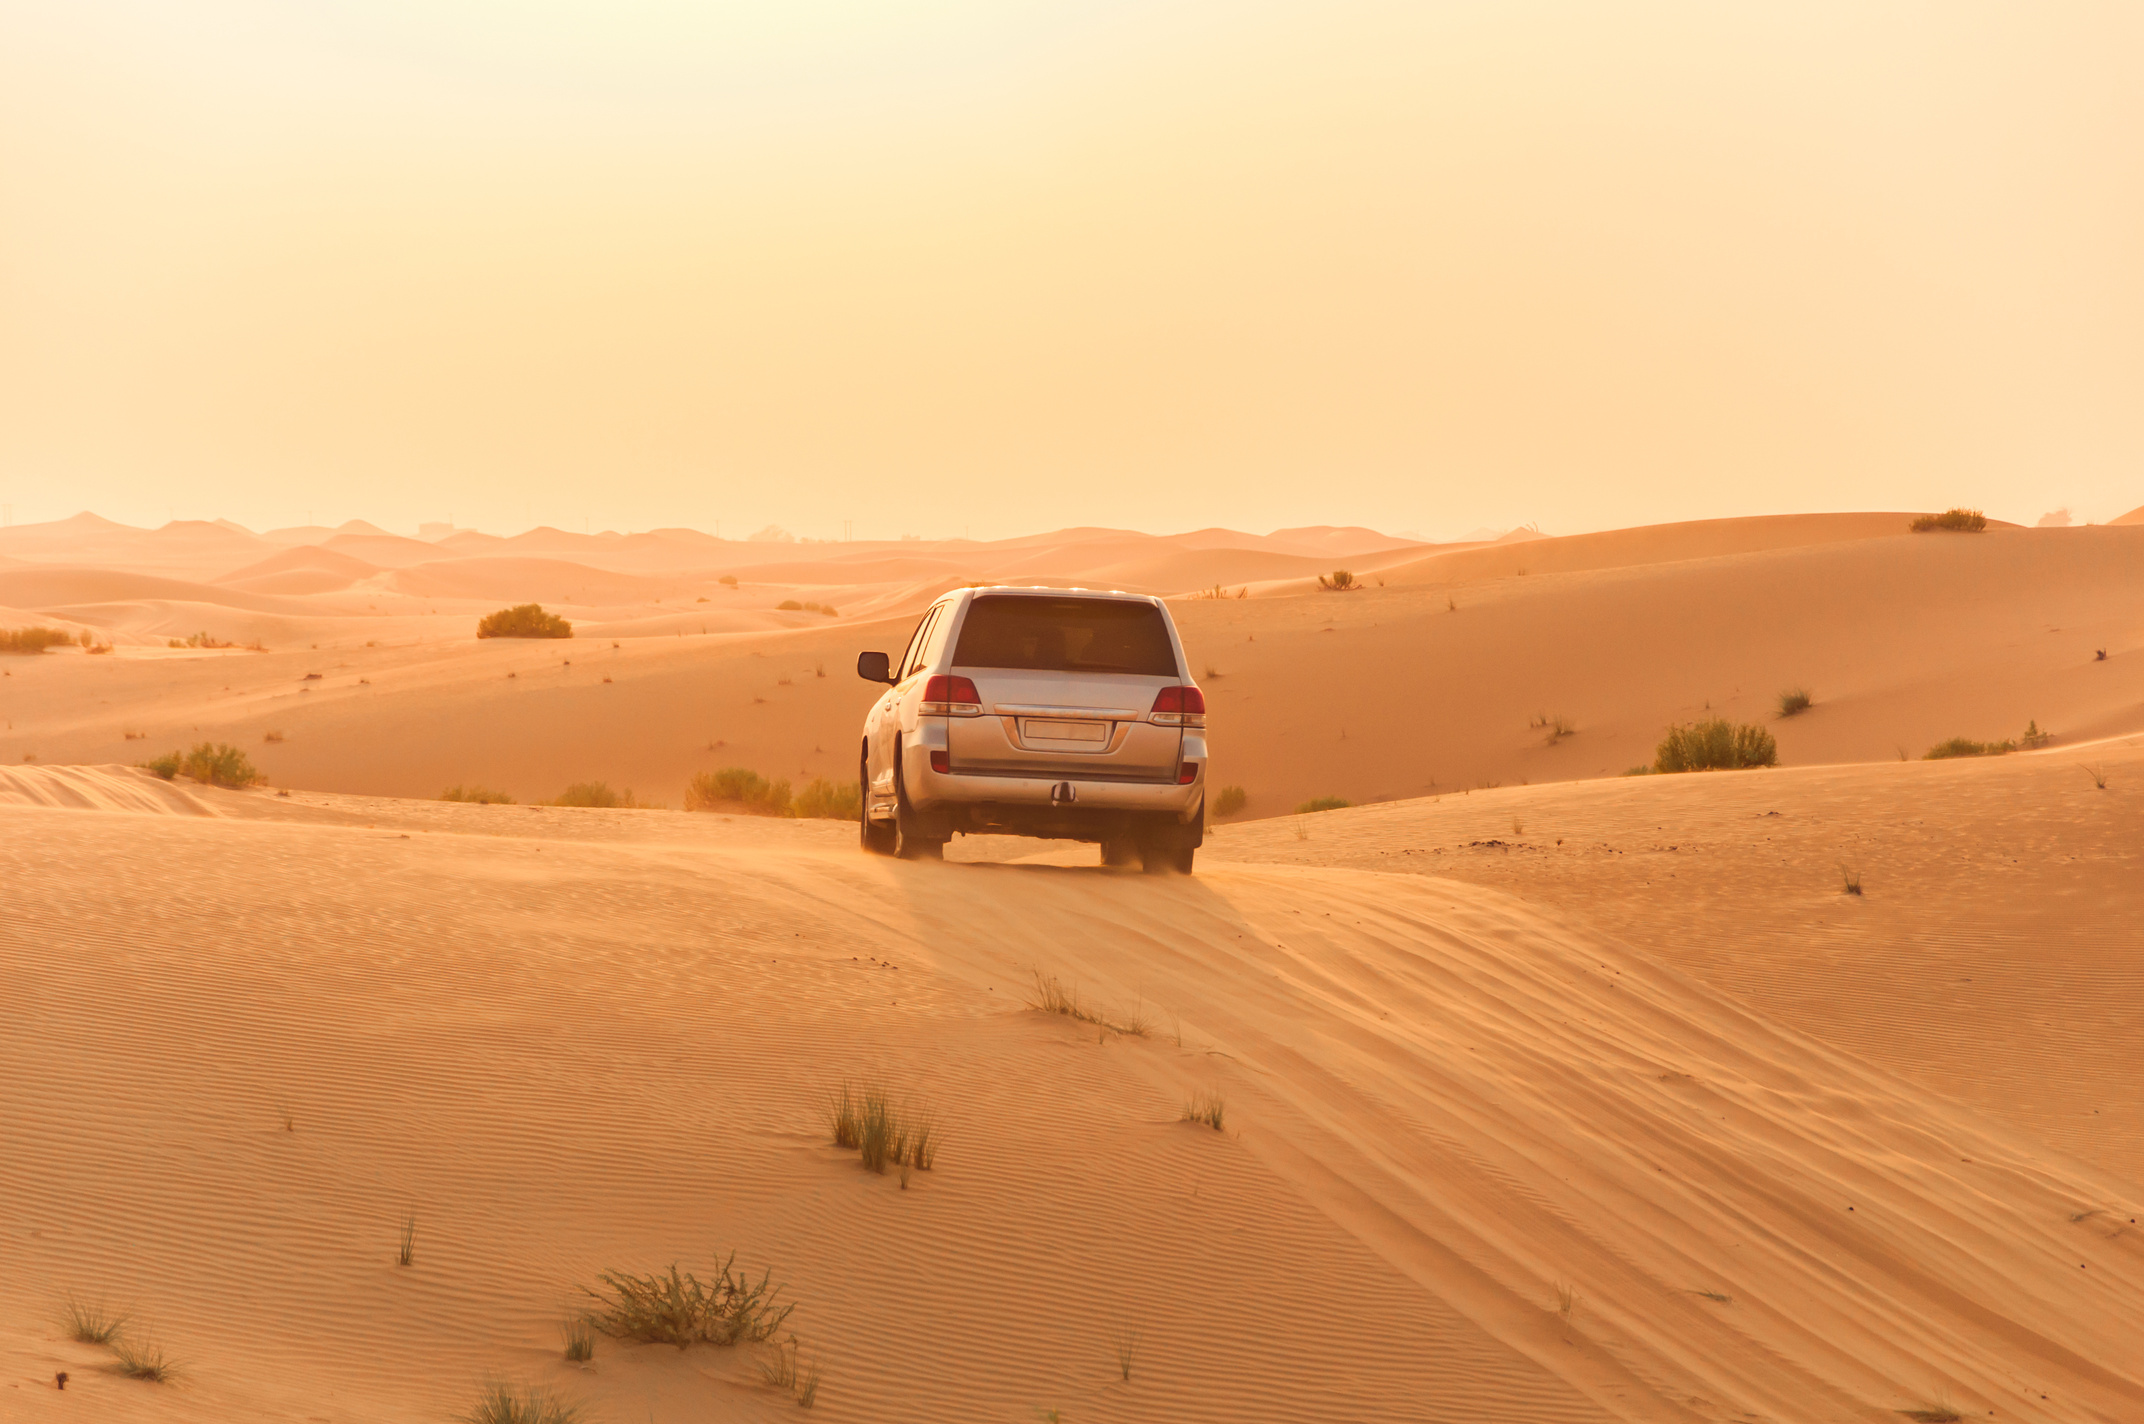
{"points": [[909, 661], [1066, 635]]}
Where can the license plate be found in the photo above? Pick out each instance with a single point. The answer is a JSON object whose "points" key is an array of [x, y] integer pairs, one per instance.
{"points": [[1035, 729]]}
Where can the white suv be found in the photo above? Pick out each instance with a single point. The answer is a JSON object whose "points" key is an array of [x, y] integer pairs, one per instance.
{"points": [[1038, 712]]}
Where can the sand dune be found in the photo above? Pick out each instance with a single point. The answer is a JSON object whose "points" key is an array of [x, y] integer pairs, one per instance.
{"points": [[1446, 1106], [97, 788], [304, 558], [2134, 516]]}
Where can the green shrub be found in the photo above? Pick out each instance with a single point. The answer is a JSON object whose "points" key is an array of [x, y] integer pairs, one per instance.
{"points": [[1959, 521], [211, 763], [481, 795], [737, 788], [32, 640], [527, 620], [598, 794], [1967, 747], [1231, 800], [1795, 700], [1323, 803], [680, 1309], [1715, 745], [829, 800]]}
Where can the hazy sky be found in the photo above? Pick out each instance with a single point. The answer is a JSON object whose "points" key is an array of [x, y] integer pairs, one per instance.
{"points": [[934, 265]]}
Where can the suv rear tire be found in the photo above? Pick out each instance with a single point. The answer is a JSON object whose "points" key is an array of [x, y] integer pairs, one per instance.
{"points": [[909, 840], [876, 837]]}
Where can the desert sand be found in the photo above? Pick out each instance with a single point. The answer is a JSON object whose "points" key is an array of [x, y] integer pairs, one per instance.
{"points": [[1551, 1094]]}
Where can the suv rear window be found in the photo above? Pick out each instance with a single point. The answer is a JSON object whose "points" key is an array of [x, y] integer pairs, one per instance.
{"points": [[1066, 635]]}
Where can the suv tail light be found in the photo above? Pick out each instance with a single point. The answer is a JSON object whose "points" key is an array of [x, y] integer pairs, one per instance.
{"points": [[1179, 707], [945, 696], [1187, 773]]}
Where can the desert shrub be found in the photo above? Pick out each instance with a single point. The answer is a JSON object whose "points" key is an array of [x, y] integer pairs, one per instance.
{"points": [[1715, 745], [1966, 747], [1323, 803], [32, 640], [728, 580], [534, 1405], [1231, 800], [1340, 581], [211, 763], [1959, 521], [737, 788], [598, 794], [526, 620], [204, 640], [1794, 700], [481, 795], [829, 800], [789, 605], [680, 1309]]}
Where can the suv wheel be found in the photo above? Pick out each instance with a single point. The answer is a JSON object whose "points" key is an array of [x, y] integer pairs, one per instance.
{"points": [[1121, 850], [909, 842], [877, 837]]}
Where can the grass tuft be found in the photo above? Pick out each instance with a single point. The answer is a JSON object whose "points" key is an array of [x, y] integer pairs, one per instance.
{"points": [[1850, 880], [680, 1309], [737, 789], [1967, 747], [2097, 773], [526, 620], [598, 795], [1323, 803], [1208, 1107], [32, 640], [1957, 521], [138, 1359], [1933, 1414], [479, 795], [406, 1250], [1126, 1341], [1566, 1299], [826, 800], [1715, 745], [788, 1370], [1341, 581], [1052, 997], [1795, 700], [91, 1324], [1231, 800], [501, 1405], [580, 1340]]}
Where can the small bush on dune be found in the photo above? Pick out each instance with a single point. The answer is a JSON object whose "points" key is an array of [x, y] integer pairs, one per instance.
{"points": [[143, 1361], [884, 1133], [480, 795], [32, 640], [211, 763], [1795, 700], [1967, 747], [1231, 800], [598, 794], [1715, 745], [91, 1324], [680, 1309], [829, 800], [526, 620], [1340, 581], [1323, 803], [1957, 521], [501, 1405], [737, 788]]}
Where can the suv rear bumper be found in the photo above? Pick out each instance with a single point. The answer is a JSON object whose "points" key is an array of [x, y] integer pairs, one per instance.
{"points": [[1096, 810]]}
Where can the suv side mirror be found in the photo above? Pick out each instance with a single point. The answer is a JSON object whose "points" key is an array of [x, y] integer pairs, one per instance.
{"points": [[873, 667]]}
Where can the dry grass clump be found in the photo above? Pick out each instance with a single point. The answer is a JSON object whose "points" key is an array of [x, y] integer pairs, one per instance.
{"points": [[406, 1250], [1323, 803], [1557, 727], [790, 605], [1208, 1107], [1966, 747], [788, 1370], [1340, 581], [31, 640], [525, 620], [1052, 997], [2098, 775], [91, 1324], [478, 795], [884, 1134], [1933, 1414], [737, 789], [1956, 521], [1795, 700], [534, 1405], [1849, 880], [599, 795], [142, 1360], [210, 763], [1231, 800], [680, 1309], [1715, 745], [826, 800], [580, 1341]]}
